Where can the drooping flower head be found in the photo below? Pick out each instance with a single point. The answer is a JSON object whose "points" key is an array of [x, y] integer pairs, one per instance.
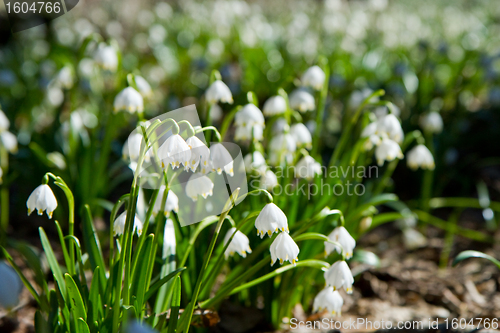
{"points": [[239, 244], [330, 300], [143, 86], [268, 180], [390, 126], [218, 92], [171, 205], [420, 156], [221, 159], [339, 276], [313, 77], [302, 101], [307, 168], [271, 219], [342, 236], [301, 135], [255, 162], [119, 224], [275, 105], [129, 100], [174, 151], [284, 248], [106, 57], [432, 122], [200, 155], [42, 199], [197, 185], [387, 150]]}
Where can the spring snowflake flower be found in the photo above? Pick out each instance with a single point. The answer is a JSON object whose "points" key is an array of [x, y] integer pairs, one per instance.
{"points": [[307, 168], [390, 126], [420, 156], [274, 106], [432, 122], [313, 77], [10, 288], [4, 122], [219, 92], [171, 205], [42, 199], [284, 248], [369, 132], [106, 57], [9, 141], [129, 100], [239, 244], [119, 224], [268, 180], [387, 150], [199, 184], [132, 147], [330, 300], [282, 146], [301, 135], [249, 120], [302, 101], [255, 162], [221, 159], [174, 151], [143, 86], [200, 155], [270, 220], [339, 276], [244, 133], [342, 236]]}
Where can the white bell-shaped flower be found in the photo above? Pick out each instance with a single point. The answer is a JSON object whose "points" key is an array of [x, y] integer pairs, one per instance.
{"points": [[129, 100], [302, 101], [329, 300], [244, 133], [171, 205], [218, 92], [132, 148], [387, 150], [249, 115], [239, 244], [65, 78], [420, 156], [106, 57], [174, 151], [369, 132], [432, 122], [143, 86], [390, 126], [282, 146], [42, 199], [9, 141], [199, 184], [284, 248], [271, 219], [255, 162], [221, 159], [339, 276], [344, 238], [4, 122], [200, 154], [313, 77], [10, 288], [301, 135], [274, 105], [307, 168], [119, 224], [268, 180]]}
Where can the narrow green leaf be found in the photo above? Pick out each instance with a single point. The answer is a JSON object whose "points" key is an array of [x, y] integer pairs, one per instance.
{"points": [[32, 256], [75, 302], [377, 200], [92, 245], [95, 304], [175, 306], [139, 283], [51, 258], [474, 254], [41, 325], [161, 282], [26, 283]]}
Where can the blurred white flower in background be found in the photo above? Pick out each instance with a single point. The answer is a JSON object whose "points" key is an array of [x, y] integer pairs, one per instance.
{"points": [[302, 101], [249, 121], [8, 141], [197, 185], [219, 92], [275, 105], [105, 56], [284, 248], [301, 135], [42, 199], [4, 122], [143, 86], [171, 204], [221, 159], [268, 180], [432, 122], [344, 238], [387, 150], [271, 219], [239, 244], [307, 168], [10, 287], [313, 77], [372, 138], [420, 156], [255, 162], [282, 146], [390, 126], [129, 100], [330, 300], [119, 224]]}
